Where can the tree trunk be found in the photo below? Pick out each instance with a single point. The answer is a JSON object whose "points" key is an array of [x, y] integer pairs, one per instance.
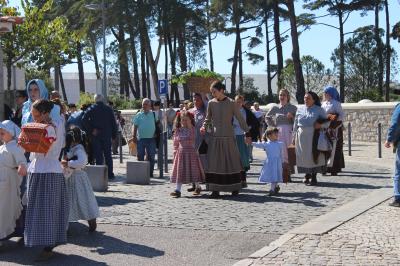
{"points": [[94, 52], [278, 43], [183, 59], [388, 52], [296, 54], [9, 73], [210, 49], [64, 94], [172, 55], [81, 72], [379, 50], [269, 80], [148, 86], [143, 68], [136, 78], [149, 53], [235, 61], [341, 56], [56, 78], [240, 66]]}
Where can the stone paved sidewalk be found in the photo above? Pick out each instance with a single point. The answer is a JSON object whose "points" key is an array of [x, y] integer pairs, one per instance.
{"points": [[369, 239]]}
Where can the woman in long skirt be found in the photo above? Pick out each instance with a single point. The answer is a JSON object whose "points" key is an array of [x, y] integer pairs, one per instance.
{"points": [[309, 160], [282, 116], [240, 139], [333, 108], [47, 208], [224, 168]]}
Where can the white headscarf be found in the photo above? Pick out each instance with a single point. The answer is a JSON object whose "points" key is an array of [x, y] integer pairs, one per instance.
{"points": [[11, 128]]}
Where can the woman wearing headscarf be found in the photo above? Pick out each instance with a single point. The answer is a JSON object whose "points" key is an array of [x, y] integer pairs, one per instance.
{"points": [[309, 118], [36, 89], [282, 116], [335, 114]]}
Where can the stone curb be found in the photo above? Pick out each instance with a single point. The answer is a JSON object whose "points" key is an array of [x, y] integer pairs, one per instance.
{"points": [[324, 223]]}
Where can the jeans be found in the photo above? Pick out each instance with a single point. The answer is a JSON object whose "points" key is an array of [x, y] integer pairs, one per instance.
{"points": [[147, 146], [396, 178], [169, 128], [102, 150]]}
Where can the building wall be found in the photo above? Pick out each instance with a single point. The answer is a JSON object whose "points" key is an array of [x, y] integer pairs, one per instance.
{"points": [[364, 119]]}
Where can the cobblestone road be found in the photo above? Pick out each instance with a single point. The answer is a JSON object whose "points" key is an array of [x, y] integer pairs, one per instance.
{"points": [[369, 239]]}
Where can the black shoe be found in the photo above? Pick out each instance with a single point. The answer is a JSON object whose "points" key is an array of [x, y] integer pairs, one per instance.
{"points": [[214, 195], [176, 194], [235, 193], [277, 189], [111, 177], [313, 180], [92, 225], [244, 184], [191, 189], [395, 203], [306, 179]]}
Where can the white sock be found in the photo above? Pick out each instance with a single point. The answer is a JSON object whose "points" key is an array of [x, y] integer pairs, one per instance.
{"points": [[178, 186]]}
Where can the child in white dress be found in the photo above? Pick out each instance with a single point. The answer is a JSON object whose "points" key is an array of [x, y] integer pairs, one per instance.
{"points": [[272, 170], [82, 202], [12, 170]]}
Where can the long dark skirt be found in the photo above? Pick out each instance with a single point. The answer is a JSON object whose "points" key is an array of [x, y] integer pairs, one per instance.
{"points": [[338, 161], [47, 210]]}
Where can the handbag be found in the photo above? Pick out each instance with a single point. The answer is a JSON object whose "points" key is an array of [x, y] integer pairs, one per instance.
{"points": [[203, 148], [324, 143], [291, 155]]}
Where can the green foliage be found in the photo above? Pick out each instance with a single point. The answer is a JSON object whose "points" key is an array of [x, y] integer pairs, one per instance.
{"points": [[396, 31], [362, 73], [204, 73], [121, 103], [316, 77], [85, 98]]}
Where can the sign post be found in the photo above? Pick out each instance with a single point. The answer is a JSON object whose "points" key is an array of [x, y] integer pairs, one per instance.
{"points": [[162, 91]]}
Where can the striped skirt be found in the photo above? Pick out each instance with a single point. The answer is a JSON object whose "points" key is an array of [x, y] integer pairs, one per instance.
{"points": [[187, 167], [82, 202], [47, 210]]}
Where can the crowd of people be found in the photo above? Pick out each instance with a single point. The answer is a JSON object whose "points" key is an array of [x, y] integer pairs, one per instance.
{"points": [[44, 189], [213, 139]]}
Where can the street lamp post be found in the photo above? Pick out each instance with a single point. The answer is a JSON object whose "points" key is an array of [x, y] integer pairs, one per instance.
{"points": [[103, 21]]}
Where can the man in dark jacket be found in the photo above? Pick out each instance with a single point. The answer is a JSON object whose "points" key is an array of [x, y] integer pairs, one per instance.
{"points": [[99, 122]]}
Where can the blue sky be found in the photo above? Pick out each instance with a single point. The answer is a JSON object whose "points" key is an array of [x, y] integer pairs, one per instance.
{"points": [[319, 41]]}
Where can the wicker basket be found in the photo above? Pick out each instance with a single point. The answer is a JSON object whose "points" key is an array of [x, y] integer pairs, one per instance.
{"points": [[33, 138], [200, 84]]}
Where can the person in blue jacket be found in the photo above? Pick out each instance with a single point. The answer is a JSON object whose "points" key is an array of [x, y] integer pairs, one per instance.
{"points": [[393, 138], [99, 122]]}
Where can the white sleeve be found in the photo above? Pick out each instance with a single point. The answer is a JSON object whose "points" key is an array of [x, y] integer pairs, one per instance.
{"points": [[81, 161], [259, 145]]}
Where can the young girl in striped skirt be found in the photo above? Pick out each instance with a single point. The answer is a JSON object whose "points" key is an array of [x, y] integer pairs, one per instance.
{"points": [[187, 167], [47, 209], [82, 202]]}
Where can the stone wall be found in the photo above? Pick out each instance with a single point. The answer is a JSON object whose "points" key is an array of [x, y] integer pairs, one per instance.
{"points": [[364, 119]]}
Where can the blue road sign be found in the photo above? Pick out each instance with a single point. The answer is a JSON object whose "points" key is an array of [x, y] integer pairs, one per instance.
{"points": [[163, 87]]}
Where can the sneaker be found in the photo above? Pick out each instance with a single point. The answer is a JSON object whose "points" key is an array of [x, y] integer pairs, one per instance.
{"points": [[197, 191], [176, 194], [395, 203]]}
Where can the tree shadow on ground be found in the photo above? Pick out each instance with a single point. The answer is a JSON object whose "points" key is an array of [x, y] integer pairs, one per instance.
{"points": [[348, 185], [366, 174], [13, 253], [105, 245], [104, 201]]}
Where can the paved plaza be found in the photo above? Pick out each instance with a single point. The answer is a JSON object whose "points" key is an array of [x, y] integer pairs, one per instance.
{"points": [[143, 225]]}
